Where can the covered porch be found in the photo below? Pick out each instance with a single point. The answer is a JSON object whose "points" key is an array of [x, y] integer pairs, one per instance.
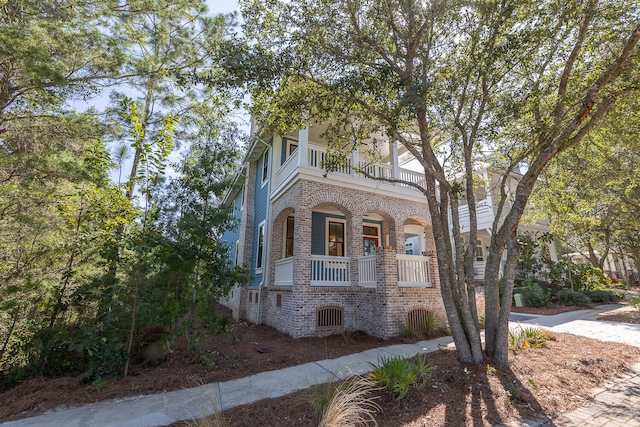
{"points": [[340, 249]]}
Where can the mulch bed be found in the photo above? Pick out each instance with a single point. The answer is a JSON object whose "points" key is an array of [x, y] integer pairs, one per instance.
{"points": [[547, 381]]}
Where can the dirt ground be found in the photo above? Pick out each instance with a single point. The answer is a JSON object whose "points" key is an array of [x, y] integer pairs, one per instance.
{"points": [[551, 380]]}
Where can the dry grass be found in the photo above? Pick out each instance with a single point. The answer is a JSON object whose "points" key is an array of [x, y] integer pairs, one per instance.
{"points": [[351, 406]]}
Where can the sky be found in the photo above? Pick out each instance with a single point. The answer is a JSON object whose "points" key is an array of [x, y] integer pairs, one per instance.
{"points": [[222, 6]]}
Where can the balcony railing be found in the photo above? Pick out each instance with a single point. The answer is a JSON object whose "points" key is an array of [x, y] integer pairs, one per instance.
{"points": [[330, 271], [413, 271], [364, 169], [367, 271], [283, 273]]}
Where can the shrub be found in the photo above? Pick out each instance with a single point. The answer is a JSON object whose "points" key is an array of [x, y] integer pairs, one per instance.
{"points": [[398, 375], [350, 405], [605, 295], [525, 337], [569, 297], [535, 295]]}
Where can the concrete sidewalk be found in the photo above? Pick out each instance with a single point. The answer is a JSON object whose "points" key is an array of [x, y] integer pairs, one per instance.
{"points": [[615, 405]]}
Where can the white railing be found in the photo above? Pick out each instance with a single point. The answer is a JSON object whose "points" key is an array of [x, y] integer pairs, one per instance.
{"points": [[283, 274], [330, 271], [412, 176], [413, 271], [478, 269], [318, 157], [367, 271], [369, 170]]}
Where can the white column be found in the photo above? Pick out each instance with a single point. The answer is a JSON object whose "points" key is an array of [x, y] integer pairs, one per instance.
{"points": [[393, 154], [303, 147], [355, 160]]}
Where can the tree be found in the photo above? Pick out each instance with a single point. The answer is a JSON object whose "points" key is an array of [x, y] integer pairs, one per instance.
{"points": [[195, 217], [456, 83], [173, 39], [591, 190]]}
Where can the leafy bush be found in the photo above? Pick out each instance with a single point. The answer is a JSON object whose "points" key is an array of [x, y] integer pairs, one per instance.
{"points": [[397, 375], [535, 295], [605, 295], [525, 337], [569, 297]]}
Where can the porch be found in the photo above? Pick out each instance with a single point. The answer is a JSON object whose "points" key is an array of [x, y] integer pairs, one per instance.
{"points": [[412, 271]]}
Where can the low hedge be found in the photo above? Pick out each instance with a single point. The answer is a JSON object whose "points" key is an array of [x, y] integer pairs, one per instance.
{"points": [[569, 297]]}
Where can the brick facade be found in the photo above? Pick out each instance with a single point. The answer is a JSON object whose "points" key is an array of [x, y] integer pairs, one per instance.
{"points": [[381, 310]]}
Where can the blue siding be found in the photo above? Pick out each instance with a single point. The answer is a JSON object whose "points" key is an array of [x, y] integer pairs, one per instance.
{"points": [[231, 236], [260, 205]]}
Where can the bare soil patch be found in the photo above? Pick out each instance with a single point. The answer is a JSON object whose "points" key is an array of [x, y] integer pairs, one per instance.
{"points": [[548, 310], [626, 314]]}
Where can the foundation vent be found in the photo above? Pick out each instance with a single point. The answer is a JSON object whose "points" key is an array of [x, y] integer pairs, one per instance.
{"points": [[420, 319], [329, 318]]}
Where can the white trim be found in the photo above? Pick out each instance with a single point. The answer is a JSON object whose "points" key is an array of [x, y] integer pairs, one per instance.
{"points": [[237, 252], [326, 234], [265, 162], [284, 235], [264, 243]]}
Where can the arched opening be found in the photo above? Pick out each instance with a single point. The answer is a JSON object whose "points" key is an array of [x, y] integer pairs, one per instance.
{"points": [[414, 266], [283, 243]]}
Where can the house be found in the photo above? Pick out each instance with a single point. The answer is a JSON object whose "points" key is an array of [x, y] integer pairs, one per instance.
{"points": [[331, 251], [487, 198]]}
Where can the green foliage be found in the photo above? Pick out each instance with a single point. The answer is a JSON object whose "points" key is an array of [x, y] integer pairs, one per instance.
{"points": [[523, 338], [397, 375], [605, 295], [569, 297], [535, 295]]}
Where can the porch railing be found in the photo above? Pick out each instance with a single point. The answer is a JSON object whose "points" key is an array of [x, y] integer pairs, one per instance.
{"points": [[283, 272], [318, 156], [367, 271], [413, 271], [330, 271]]}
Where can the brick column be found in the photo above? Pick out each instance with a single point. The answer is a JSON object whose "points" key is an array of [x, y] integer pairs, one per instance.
{"points": [[355, 248], [386, 286]]}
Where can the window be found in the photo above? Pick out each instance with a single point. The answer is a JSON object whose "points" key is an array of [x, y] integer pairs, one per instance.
{"points": [[260, 246], [335, 238], [408, 248], [237, 252], [292, 146], [479, 252], [288, 243], [371, 238], [265, 166]]}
